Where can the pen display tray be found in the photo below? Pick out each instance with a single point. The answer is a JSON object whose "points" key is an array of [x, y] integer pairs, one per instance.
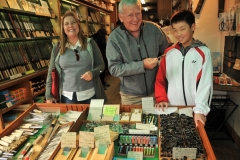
{"points": [[139, 140], [179, 131], [150, 119], [147, 151], [51, 148]]}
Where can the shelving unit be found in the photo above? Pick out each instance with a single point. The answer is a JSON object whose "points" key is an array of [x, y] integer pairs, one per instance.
{"points": [[23, 81], [92, 16], [25, 46]]}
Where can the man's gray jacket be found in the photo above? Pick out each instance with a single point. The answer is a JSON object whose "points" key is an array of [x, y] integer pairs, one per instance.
{"points": [[125, 55]]}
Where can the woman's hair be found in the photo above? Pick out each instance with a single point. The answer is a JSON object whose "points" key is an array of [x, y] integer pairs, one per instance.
{"points": [[81, 37], [128, 3]]}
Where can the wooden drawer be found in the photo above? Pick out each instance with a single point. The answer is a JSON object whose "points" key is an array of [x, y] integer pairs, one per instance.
{"points": [[84, 107], [20, 120], [201, 130]]}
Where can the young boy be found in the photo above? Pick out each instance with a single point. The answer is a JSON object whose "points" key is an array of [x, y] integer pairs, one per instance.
{"points": [[185, 74]]}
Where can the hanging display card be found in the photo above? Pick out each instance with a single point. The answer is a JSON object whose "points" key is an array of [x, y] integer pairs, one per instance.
{"points": [[86, 139], [147, 105], [68, 139]]}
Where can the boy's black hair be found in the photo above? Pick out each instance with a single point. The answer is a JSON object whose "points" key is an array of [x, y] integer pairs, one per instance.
{"points": [[183, 15]]}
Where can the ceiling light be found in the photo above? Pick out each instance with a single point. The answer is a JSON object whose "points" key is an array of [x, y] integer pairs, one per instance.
{"points": [[145, 9], [143, 1]]}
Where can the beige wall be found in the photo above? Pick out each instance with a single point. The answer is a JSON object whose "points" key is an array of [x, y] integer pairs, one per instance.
{"points": [[233, 95], [207, 32], [207, 25]]}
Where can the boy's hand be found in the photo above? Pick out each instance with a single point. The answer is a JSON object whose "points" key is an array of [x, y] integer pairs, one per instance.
{"points": [[161, 105], [200, 117]]}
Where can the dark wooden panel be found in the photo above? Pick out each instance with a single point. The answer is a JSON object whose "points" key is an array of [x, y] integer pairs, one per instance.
{"points": [[164, 9]]}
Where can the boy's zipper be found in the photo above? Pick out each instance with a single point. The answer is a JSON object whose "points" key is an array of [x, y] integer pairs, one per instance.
{"points": [[184, 96]]}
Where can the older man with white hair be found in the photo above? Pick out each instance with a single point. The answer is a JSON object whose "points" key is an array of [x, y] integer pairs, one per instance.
{"points": [[132, 51]]}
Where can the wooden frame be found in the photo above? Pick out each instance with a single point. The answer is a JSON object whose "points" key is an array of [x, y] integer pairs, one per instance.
{"points": [[84, 107]]}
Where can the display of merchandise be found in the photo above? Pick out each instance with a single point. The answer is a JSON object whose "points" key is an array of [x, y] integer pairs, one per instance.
{"points": [[113, 126], [150, 119], [179, 131], [138, 143]]}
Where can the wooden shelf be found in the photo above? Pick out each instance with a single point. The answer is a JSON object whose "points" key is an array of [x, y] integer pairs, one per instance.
{"points": [[22, 12], [20, 83], [108, 2], [226, 88], [93, 5], [5, 110], [38, 93], [9, 83], [27, 39]]}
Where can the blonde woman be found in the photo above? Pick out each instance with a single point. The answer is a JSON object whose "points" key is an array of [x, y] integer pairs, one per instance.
{"points": [[78, 63]]}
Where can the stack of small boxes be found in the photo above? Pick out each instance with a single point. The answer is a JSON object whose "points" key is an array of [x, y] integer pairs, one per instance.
{"points": [[18, 94], [5, 99], [10, 97]]}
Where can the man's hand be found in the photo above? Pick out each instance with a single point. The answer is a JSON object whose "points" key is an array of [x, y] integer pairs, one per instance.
{"points": [[200, 117], [87, 76], [161, 105], [150, 63]]}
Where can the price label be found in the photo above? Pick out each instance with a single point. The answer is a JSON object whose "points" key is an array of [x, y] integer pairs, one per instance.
{"points": [[102, 133], [68, 139], [109, 111], [147, 105], [136, 155], [179, 153], [86, 139]]}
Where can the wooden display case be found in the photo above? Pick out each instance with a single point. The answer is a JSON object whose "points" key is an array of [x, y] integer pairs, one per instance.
{"points": [[84, 107], [201, 130], [22, 82], [44, 106]]}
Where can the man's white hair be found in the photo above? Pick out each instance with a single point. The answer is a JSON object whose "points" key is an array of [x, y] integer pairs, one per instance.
{"points": [[128, 3]]}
